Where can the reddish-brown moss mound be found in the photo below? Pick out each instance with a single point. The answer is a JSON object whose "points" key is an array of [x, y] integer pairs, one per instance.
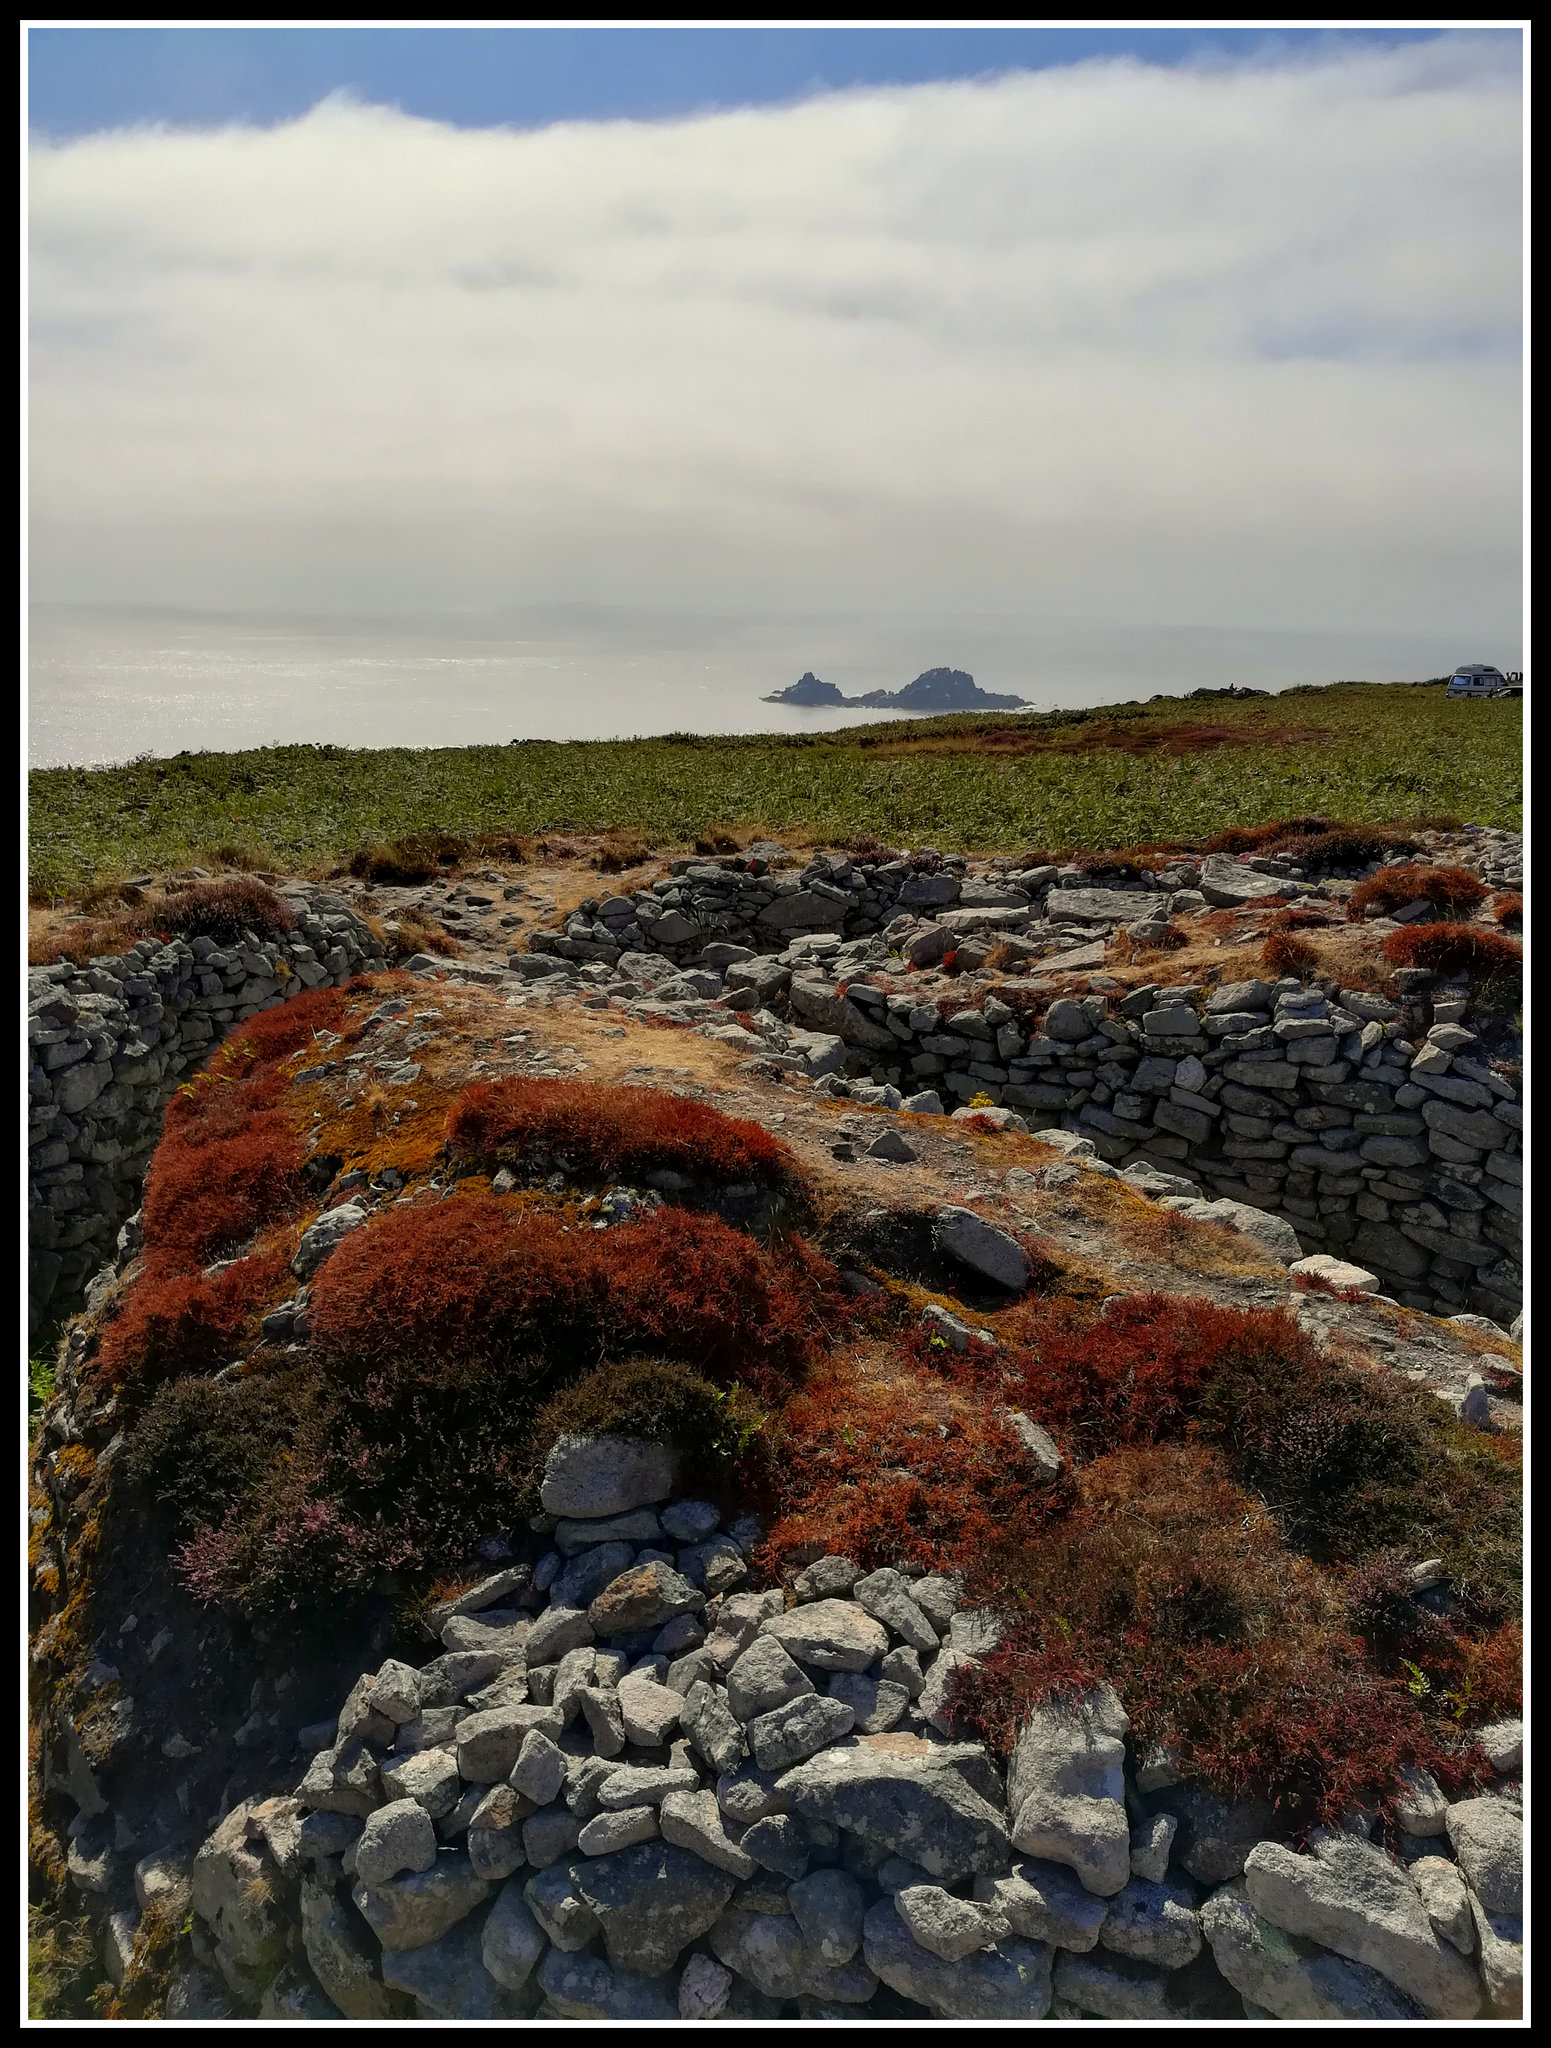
{"points": [[175, 1323], [476, 1278], [897, 1472], [618, 1132], [1508, 909], [1454, 892], [1484, 955], [1285, 953], [1353, 1462], [1172, 1582]]}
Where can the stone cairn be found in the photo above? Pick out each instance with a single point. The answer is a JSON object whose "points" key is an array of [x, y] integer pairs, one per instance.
{"points": [[632, 1786]]}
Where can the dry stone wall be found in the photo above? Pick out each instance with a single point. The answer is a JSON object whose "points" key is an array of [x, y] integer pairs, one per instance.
{"points": [[109, 1042], [634, 1785], [1385, 1131]]}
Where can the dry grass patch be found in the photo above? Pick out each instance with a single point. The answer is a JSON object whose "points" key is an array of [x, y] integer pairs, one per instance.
{"points": [[1183, 1242]]}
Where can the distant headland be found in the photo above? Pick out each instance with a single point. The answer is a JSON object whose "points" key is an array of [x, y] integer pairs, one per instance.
{"points": [[938, 689]]}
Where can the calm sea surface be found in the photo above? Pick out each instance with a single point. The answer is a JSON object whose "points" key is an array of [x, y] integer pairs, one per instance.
{"points": [[108, 684]]}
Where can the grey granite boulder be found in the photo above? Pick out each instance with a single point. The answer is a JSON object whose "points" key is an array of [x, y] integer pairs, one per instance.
{"points": [[951, 1928], [511, 1940], [1446, 1899], [771, 1953], [694, 1821], [1153, 1923], [1289, 1977], [1066, 1788], [1045, 1902], [972, 1241], [877, 1703], [587, 1988], [397, 1837], [901, 1806], [829, 1907], [764, 1678], [1009, 1981], [1111, 1987], [447, 1977], [1488, 1838], [830, 1635], [410, 1911], [344, 1958], [559, 1909], [886, 1597], [1350, 1897], [587, 1478], [799, 1729], [651, 1901]]}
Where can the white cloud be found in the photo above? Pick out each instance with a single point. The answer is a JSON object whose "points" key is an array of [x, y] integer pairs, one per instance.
{"points": [[1228, 346]]}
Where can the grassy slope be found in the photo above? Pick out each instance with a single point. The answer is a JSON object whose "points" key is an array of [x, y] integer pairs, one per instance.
{"points": [[1387, 754]]}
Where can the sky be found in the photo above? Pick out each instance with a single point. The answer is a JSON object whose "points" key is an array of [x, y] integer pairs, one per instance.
{"points": [[1164, 327]]}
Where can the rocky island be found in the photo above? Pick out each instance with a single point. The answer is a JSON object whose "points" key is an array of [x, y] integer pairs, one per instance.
{"points": [[936, 689]]}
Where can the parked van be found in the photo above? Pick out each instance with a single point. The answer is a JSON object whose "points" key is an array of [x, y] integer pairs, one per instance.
{"points": [[1475, 679]]}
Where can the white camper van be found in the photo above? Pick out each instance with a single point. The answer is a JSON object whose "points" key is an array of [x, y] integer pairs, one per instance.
{"points": [[1475, 679]]}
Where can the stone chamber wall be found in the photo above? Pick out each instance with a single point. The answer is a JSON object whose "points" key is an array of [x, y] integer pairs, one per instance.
{"points": [[633, 1786], [1381, 1130], [108, 1043]]}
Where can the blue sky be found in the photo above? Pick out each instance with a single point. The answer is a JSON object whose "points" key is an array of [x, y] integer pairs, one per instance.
{"points": [[85, 79]]}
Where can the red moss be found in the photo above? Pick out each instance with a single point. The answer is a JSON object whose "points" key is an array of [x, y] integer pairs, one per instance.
{"points": [[477, 1279], [1508, 909], [895, 1473], [612, 1131], [176, 1323], [208, 1194], [1483, 954], [1452, 891], [1284, 953], [1175, 1585]]}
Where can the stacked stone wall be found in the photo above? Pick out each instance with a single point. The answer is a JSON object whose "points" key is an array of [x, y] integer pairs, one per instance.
{"points": [[109, 1042]]}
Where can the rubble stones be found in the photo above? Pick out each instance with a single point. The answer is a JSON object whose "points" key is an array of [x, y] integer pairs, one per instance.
{"points": [[651, 1901], [397, 1837], [410, 1911], [1351, 1898], [764, 1678], [903, 1808], [829, 1635], [1153, 1923], [591, 1477], [1290, 1978], [1066, 1789], [962, 1235], [1010, 1981], [1488, 1838], [1045, 1902], [642, 1598], [694, 1821]]}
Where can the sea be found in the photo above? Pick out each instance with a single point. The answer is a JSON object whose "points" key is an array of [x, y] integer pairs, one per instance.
{"points": [[107, 684]]}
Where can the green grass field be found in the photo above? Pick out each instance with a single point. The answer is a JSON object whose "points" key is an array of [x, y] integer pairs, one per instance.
{"points": [[1368, 752]]}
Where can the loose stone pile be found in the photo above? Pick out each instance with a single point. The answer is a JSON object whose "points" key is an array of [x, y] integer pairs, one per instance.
{"points": [[634, 1786], [107, 1044]]}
